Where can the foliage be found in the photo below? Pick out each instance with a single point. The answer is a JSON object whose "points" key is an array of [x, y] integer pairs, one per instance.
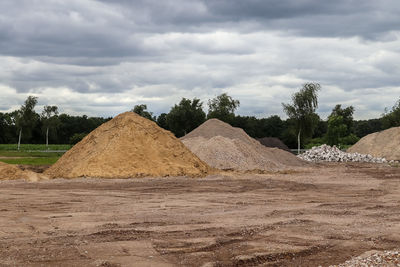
{"points": [[302, 109], [71, 125], [222, 107], [7, 128], [391, 118], [347, 116], [336, 129], [365, 127], [258, 128], [76, 138], [162, 121], [315, 142], [185, 116], [50, 120], [142, 111], [273, 126], [26, 117], [351, 139]]}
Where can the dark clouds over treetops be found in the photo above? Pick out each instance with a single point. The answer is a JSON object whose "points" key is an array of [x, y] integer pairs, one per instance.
{"points": [[103, 57]]}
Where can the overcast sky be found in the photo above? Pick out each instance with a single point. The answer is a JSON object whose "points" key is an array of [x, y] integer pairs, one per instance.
{"points": [[101, 58]]}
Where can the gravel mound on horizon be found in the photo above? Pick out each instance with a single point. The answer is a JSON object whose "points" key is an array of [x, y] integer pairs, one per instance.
{"points": [[225, 147]]}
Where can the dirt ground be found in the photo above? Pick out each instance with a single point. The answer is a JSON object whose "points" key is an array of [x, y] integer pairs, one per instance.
{"points": [[319, 216]]}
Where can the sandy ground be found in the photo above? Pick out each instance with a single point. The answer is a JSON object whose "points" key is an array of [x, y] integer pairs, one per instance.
{"points": [[313, 217]]}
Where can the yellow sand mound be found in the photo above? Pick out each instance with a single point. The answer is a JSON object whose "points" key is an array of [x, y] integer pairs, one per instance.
{"points": [[128, 146], [12, 172], [381, 144]]}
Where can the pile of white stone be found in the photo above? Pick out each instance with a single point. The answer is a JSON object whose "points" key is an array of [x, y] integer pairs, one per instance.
{"points": [[334, 154], [384, 258]]}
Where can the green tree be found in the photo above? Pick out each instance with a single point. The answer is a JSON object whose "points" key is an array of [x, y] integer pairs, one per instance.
{"points": [[26, 118], [7, 128], [50, 119], [347, 116], [185, 116], [391, 118], [142, 111], [223, 108], [365, 127], [337, 129], [302, 111], [162, 121]]}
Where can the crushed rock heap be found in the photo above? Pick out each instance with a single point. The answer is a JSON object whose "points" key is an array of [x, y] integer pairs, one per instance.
{"points": [[225, 147], [12, 172], [373, 258], [128, 146], [381, 144], [334, 154]]}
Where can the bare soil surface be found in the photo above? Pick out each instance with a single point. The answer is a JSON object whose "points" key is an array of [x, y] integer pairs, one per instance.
{"points": [[318, 216]]}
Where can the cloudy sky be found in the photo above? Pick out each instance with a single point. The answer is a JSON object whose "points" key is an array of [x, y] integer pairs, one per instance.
{"points": [[102, 57]]}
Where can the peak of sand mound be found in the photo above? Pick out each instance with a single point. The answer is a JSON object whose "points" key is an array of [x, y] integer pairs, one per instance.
{"points": [[384, 144], [128, 146], [215, 127], [12, 172], [273, 142], [225, 147]]}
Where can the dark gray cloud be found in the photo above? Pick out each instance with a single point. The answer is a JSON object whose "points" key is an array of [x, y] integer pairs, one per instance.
{"points": [[103, 57]]}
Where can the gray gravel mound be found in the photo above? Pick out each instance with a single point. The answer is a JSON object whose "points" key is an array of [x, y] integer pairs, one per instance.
{"points": [[225, 147]]}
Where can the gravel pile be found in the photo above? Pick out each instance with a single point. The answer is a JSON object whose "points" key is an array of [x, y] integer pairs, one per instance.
{"points": [[334, 154], [225, 147], [386, 258]]}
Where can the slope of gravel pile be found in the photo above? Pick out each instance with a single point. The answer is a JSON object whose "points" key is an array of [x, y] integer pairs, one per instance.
{"points": [[385, 258], [128, 146], [273, 142], [234, 149], [215, 127], [12, 172], [334, 154], [384, 144]]}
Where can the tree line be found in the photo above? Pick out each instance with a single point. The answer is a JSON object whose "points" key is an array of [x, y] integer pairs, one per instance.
{"points": [[302, 128]]}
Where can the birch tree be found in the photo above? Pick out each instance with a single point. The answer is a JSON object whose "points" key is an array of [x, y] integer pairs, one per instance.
{"points": [[26, 118], [302, 110], [50, 119]]}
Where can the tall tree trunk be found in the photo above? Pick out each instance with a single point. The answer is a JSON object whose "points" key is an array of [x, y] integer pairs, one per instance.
{"points": [[19, 138], [298, 143], [47, 138]]}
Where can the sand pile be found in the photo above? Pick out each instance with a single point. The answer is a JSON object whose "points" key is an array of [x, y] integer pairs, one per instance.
{"points": [[12, 172], [273, 142], [225, 147], [385, 144], [128, 146]]}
